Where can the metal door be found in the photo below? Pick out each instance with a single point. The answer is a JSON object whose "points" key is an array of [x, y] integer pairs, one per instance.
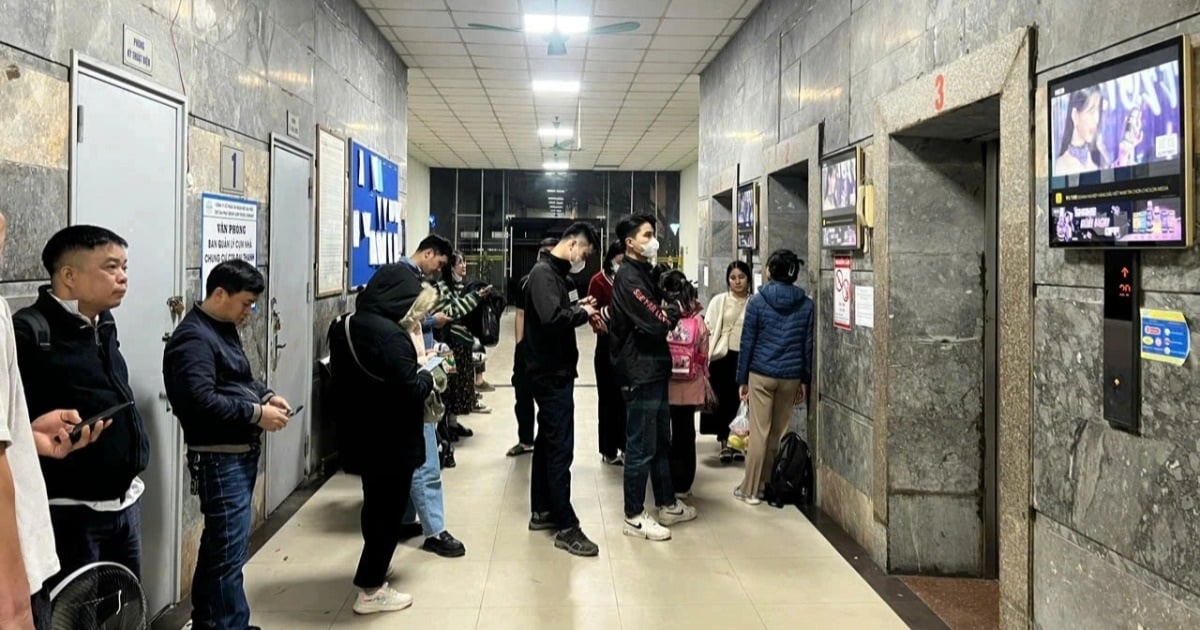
{"points": [[128, 146], [289, 360]]}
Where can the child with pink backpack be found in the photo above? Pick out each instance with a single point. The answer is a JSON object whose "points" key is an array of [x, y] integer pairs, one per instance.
{"points": [[689, 387]]}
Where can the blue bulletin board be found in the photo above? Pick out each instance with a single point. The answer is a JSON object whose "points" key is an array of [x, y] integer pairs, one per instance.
{"points": [[376, 229]]}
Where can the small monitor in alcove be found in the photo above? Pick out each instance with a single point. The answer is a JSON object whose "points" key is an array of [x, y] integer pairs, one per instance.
{"points": [[1120, 161], [745, 217], [840, 229]]}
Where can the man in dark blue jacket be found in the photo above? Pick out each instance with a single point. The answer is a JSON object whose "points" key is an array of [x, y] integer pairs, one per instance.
{"points": [[70, 359], [774, 366], [639, 319], [223, 410]]}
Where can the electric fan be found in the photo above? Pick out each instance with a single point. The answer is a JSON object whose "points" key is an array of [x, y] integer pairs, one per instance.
{"points": [[99, 596], [556, 38]]}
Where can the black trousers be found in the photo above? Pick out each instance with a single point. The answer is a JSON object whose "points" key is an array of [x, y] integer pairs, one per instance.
{"points": [[683, 447], [524, 409], [554, 450], [723, 377], [385, 497], [611, 405]]}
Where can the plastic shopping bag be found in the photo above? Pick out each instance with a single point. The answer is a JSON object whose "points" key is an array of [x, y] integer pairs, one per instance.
{"points": [[741, 422]]}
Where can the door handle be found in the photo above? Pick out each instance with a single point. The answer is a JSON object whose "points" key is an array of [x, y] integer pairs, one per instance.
{"points": [[280, 346]]}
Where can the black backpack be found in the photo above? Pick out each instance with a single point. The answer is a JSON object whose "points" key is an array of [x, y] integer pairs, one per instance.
{"points": [[792, 478], [36, 322]]}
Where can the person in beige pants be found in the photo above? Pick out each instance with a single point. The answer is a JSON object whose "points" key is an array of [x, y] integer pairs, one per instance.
{"points": [[774, 366]]}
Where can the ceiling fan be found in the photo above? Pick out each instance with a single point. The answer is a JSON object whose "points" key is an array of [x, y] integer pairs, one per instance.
{"points": [[556, 40]]}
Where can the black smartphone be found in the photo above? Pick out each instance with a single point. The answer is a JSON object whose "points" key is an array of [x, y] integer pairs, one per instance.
{"points": [[107, 413], [295, 410]]}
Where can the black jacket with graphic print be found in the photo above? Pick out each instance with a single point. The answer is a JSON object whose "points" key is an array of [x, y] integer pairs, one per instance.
{"points": [[638, 324]]}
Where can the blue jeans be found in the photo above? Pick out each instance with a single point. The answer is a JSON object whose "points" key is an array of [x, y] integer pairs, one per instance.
{"points": [[225, 484], [425, 496], [647, 446], [554, 450]]}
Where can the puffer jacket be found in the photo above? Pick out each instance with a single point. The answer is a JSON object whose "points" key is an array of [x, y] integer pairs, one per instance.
{"points": [[777, 336]]}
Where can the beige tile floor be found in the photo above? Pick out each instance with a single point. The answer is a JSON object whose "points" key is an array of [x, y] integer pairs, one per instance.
{"points": [[736, 566]]}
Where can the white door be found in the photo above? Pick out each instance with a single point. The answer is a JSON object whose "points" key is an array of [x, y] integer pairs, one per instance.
{"points": [[289, 360], [127, 175]]}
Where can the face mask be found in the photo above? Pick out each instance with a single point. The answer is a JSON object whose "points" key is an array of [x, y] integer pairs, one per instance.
{"points": [[578, 265], [457, 278], [650, 250], [615, 269]]}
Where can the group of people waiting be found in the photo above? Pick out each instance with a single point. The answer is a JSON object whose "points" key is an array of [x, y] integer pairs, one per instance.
{"points": [[70, 490]]}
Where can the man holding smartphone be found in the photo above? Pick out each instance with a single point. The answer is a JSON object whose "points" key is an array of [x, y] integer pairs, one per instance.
{"points": [[223, 410]]}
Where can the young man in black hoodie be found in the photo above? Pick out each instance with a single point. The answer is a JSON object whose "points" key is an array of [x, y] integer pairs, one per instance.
{"points": [[223, 411], [639, 319], [524, 408], [70, 358], [553, 310]]}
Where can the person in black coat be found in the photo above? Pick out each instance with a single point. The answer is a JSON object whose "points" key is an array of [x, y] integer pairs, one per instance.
{"points": [[379, 390]]}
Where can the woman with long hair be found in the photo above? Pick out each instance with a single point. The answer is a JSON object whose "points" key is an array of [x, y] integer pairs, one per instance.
{"points": [[774, 367], [611, 406], [456, 303], [724, 319], [1080, 150]]}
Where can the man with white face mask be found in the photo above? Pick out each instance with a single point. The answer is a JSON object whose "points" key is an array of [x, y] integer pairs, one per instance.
{"points": [[553, 310], [638, 321]]}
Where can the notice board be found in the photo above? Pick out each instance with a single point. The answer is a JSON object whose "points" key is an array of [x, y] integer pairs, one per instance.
{"points": [[376, 221], [331, 213]]}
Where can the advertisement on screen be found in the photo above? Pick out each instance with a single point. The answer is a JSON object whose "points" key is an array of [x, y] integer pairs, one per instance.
{"points": [[1120, 163], [839, 202], [745, 218]]}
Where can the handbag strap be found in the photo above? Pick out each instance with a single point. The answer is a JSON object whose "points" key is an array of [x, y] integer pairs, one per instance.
{"points": [[350, 344]]}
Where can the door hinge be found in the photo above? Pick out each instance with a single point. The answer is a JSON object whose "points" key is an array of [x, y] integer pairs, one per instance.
{"points": [[306, 445], [310, 187], [79, 124], [308, 294]]}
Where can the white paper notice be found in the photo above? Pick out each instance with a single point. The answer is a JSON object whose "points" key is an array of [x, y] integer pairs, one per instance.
{"points": [[705, 274], [864, 306], [395, 247], [362, 171], [842, 293], [373, 243]]}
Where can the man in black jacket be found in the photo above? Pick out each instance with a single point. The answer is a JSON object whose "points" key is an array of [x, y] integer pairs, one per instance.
{"points": [[553, 310], [638, 321], [524, 408], [70, 358], [223, 410], [379, 390]]}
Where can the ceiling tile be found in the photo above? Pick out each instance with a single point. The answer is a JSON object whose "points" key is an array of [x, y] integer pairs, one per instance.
{"points": [[732, 27], [425, 5], [442, 62], [423, 49], [506, 20], [682, 42], [493, 50], [433, 19], [619, 41], [477, 36], [630, 8], [441, 84], [408, 34], [491, 6], [547, 68], [691, 27], [615, 54], [689, 57], [747, 8], [611, 66], [451, 73], [702, 9], [501, 63]]}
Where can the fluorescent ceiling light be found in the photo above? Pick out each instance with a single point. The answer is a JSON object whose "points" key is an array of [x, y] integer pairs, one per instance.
{"points": [[556, 132], [542, 24], [544, 85], [555, 166]]}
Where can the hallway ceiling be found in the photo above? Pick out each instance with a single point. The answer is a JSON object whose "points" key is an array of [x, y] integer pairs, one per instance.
{"points": [[471, 102]]}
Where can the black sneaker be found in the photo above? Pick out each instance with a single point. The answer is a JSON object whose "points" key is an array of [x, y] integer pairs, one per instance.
{"points": [[445, 545], [726, 455], [575, 542], [519, 449], [540, 522], [461, 430], [409, 531]]}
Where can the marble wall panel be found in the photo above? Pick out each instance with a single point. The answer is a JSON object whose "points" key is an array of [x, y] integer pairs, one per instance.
{"points": [[930, 534]]}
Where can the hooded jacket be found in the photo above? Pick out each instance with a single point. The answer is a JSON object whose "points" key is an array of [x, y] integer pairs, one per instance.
{"points": [[777, 336], [379, 390]]}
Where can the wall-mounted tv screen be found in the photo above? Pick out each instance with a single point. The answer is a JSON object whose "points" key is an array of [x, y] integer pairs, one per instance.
{"points": [[1121, 157], [745, 217], [839, 201]]}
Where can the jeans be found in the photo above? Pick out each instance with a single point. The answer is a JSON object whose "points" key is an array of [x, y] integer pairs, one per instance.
{"points": [[554, 450], [425, 497], [381, 517], [224, 483], [647, 446], [83, 536], [610, 408], [683, 447], [524, 409]]}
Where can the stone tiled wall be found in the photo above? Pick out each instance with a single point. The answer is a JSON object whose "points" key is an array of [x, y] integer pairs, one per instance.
{"points": [[1109, 509], [243, 64]]}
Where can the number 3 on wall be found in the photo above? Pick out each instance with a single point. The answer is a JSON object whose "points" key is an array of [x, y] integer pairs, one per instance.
{"points": [[939, 101]]}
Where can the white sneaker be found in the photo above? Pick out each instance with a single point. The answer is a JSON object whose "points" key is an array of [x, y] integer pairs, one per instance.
{"points": [[680, 512], [644, 526], [384, 600], [683, 495]]}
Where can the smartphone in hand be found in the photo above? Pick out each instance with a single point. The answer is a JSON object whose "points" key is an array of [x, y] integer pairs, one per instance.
{"points": [[77, 431]]}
